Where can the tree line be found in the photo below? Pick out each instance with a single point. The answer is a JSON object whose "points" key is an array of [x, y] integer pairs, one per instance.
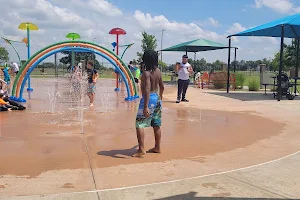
{"points": [[289, 56]]}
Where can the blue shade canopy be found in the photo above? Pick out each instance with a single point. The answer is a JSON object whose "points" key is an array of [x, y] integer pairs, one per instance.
{"points": [[273, 29]]}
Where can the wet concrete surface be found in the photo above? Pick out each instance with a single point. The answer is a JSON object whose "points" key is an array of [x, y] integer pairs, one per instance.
{"points": [[47, 139], [36, 140]]}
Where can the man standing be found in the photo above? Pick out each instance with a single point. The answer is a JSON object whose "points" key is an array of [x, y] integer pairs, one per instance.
{"points": [[184, 70]]}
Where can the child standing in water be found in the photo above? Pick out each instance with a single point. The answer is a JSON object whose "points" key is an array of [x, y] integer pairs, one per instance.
{"points": [[149, 111], [6, 78], [92, 80]]}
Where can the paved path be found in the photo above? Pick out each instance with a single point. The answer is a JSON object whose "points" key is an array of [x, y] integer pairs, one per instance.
{"points": [[278, 179]]}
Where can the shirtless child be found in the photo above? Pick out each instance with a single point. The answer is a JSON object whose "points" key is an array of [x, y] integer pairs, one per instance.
{"points": [[149, 111]]}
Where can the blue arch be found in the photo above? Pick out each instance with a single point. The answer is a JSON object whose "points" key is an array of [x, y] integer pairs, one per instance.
{"points": [[78, 49]]}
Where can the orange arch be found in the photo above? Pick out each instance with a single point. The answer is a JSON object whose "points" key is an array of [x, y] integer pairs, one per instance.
{"points": [[72, 44]]}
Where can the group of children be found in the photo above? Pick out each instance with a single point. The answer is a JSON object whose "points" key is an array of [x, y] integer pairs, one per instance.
{"points": [[5, 103]]}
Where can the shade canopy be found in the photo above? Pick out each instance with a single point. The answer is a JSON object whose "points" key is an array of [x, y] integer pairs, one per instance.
{"points": [[73, 36], [196, 46], [291, 26], [117, 31], [30, 26]]}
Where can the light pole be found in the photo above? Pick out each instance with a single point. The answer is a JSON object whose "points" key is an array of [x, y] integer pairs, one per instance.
{"points": [[161, 43]]}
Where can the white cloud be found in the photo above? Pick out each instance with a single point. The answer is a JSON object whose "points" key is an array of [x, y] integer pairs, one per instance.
{"points": [[236, 28], [190, 30], [104, 7], [94, 18], [281, 6], [271, 40], [209, 22], [214, 22]]}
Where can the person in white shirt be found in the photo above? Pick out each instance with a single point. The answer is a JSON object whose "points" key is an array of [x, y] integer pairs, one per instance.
{"points": [[184, 70], [15, 67]]}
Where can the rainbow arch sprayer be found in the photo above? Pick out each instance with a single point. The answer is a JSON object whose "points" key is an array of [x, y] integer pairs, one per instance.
{"points": [[76, 46]]}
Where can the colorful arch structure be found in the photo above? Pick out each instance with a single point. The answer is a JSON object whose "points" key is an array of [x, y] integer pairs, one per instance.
{"points": [[79, 46]]}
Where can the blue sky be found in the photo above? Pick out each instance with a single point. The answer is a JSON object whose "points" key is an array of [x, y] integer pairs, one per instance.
{"points": [[226, 12], [182, 20]]}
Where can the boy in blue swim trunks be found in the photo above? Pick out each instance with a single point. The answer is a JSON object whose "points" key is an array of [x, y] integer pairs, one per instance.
{"points": [[149, 111], [92, 80]]}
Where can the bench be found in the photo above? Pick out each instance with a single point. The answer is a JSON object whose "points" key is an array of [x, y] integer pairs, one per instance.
{"points": [[219, 80], [268, 79]]}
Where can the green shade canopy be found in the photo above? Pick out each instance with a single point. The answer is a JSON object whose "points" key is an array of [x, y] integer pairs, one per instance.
{"points": [[31, 26], [73, 36], [196, 46]]}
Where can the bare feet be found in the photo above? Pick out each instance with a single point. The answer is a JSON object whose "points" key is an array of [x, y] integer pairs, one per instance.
{"points": [[154, 150], [91, 105], [139, 154]]}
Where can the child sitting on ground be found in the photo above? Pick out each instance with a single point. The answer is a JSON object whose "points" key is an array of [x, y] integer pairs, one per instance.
{"points": [[4, 106], [7, 104]]}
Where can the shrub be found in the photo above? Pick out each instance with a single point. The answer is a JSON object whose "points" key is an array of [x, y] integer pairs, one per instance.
{"points": [[240, 80], [219, 85], [253, 84]]}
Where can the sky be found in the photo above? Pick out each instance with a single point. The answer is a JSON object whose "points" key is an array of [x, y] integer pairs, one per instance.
{"points": [[181, 20]]}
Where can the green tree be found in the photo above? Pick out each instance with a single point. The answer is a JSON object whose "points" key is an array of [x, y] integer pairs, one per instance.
{"points": [[46, 65], [217, 65], [163, 65], [81, 56], [4, 55], [289, 57], [148, 42]]}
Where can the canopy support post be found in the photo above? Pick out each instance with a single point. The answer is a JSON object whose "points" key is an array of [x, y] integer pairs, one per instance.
{"points": [[297, 64], [228, 65], [279, 89], [234, 66], [297, 58]]}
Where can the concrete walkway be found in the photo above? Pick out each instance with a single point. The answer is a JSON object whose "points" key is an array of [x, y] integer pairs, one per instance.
{"points": [[273, 180]]}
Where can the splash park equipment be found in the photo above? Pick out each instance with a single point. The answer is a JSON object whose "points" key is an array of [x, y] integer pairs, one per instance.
{"points": [[117, 32], [10, 42], [81, 46], [28, 27]]}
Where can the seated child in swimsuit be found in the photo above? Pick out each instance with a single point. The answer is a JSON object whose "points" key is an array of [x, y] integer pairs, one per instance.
{"points": [[7, 104], [149, 111], [4, 106]]}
